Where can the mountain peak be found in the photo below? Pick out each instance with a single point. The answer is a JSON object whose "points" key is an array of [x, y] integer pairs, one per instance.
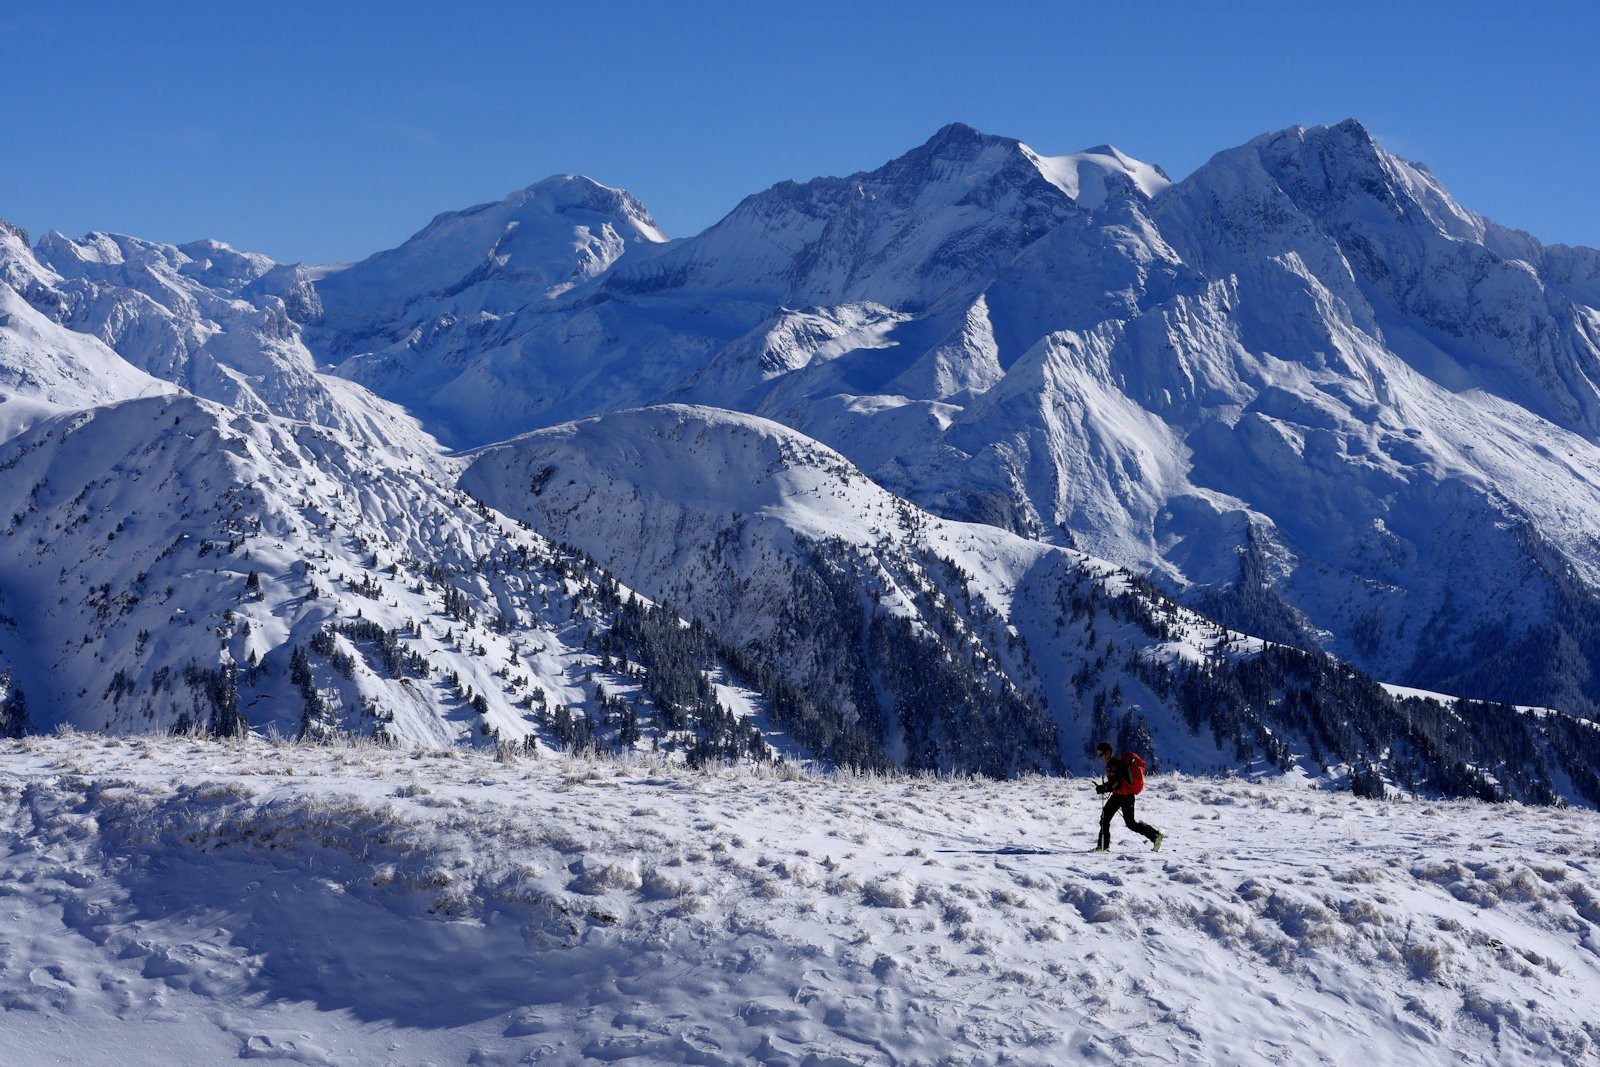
{"points": [[1349, 139], [578, 192], [532, 244], [1354, 129], [1332, 176], [1088, 177], [1319, 167], [956, 143], [958, 133], [1092, 175], [936, 219], [564, 181]]}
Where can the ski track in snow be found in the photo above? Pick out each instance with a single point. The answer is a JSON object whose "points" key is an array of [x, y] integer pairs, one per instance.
{"points": [[175, 901]]}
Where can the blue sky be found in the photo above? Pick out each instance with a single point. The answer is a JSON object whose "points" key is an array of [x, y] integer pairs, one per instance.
{"points": [[325, 132]]}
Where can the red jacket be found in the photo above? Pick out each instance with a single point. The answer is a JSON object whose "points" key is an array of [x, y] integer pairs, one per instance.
{"points": [[1126, 773]]}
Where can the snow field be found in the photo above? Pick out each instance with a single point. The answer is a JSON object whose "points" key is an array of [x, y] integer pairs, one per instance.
{"points": [[169, 900]]}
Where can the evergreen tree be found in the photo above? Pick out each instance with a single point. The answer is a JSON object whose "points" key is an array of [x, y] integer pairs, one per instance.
{"points": [[13, 708]]}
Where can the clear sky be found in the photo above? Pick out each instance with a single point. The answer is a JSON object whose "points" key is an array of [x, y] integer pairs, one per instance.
{"points": [[324, 132]]}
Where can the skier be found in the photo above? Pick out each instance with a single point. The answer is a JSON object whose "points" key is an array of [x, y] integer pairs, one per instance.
{"points": [[1124, 781]]}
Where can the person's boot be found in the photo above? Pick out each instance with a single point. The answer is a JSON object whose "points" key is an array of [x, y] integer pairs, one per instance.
{"points": [[1156, 840]]}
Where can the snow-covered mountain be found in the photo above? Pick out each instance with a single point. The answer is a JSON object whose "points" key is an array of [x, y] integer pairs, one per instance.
{"points": [[469, 267], [924, 232], [1316, 354], [936, 221], [218, 322], [169, 562], [759, 533], [925, 229], [1302, 388], [292, 554], [46, 369], [963, 646]]}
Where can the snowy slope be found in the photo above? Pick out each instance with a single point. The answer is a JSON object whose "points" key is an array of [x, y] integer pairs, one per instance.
{"points": [[222, 324], [781, 544], [948, 640], [200, 317], [46, 369], [1094, 175], [486, 261], [79, 339], [561, 911], [166, 560], [442, 323]]}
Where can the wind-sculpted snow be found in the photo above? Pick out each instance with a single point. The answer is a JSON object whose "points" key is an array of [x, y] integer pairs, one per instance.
{"points": [[170, 900]]}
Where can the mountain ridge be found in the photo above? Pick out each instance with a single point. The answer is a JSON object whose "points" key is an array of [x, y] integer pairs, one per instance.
{"points": [[1301, 389]]}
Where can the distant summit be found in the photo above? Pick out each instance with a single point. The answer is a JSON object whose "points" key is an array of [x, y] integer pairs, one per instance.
{"points": [[537, 242]]}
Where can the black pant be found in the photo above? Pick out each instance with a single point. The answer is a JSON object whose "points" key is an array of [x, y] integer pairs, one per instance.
{"points": [[1125, 803]]}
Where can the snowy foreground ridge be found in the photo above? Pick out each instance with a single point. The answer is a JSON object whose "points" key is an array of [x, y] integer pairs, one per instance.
{"points": [[173, 901]]}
